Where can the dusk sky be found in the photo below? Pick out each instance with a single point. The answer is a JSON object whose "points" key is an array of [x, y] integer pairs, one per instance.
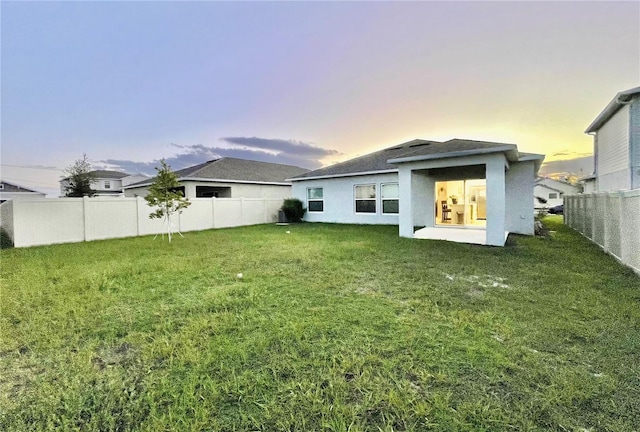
{"points": [[308, 84]]}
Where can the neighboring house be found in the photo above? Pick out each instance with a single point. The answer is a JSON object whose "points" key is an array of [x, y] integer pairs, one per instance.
{"points": [[552, 191], [107, 183], [484, 187], [229, 178], [616, 143], [12, 191]]}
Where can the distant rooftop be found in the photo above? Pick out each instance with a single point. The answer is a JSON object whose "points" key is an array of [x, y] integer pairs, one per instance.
{"points": [[234, 169]]}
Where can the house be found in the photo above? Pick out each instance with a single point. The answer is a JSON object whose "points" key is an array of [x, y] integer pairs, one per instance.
{"points": [[12, 191], [616, 143], [229, 178], [552, 191], [459, 190], [107, 183]]}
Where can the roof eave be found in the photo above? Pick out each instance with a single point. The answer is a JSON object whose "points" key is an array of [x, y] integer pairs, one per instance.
{"points": [[353, 174], [611, 108], [511, 150]]}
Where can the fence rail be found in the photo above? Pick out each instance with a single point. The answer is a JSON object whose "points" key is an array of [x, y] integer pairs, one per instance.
{"points": [[609, 219], [67, 220]]}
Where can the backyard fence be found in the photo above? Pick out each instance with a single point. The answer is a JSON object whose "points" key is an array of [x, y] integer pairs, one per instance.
{"points": [[610, 219], [67, 220]]}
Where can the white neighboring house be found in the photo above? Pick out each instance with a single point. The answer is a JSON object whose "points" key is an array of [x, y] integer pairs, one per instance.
{"points": [[107, 183], [12, 191], [229, 178], [616, 144], [459, 190], [552, 191]]}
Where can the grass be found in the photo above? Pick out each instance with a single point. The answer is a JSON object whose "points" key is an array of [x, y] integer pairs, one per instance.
{"points": [[332, 327]]}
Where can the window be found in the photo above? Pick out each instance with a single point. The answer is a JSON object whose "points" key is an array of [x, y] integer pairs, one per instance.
{"points": [[315, 199], [107, 184], [366, 198], [553, 195], [390, 195], [1, 186]]}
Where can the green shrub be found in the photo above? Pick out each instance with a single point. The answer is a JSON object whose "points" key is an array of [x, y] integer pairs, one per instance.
{"points": [[5, 240], [293, 209]]}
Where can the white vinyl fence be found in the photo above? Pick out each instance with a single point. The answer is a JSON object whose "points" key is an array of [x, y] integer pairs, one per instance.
{"points": [[610, 219], [66, 220]]}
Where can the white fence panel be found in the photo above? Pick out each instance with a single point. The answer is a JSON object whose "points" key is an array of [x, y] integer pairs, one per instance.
{"points": [[610, 219], [110, 218], [197, 217], [43, 222], [66, 220], [227, 212]]}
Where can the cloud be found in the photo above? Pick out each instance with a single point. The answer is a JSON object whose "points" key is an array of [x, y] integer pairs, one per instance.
{"points": [[288, 152], [581, 166], [287, 147]]}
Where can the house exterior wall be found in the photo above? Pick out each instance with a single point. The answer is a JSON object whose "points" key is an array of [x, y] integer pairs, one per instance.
{"points": [[339, 199], [238, 190], [612, 150], [519, 206], [542, 191], [634, 137]]}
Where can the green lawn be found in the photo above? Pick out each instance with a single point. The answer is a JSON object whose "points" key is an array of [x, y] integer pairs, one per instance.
{"points": [[332, 327]]}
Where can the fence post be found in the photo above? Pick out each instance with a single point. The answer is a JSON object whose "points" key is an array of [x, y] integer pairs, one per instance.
{"points": [[138, 199], [85, 199], [213, 212], [242, 211]]}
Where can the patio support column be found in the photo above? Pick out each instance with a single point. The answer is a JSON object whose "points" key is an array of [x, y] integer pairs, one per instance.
{"points": [[405, 217], [496, 207]]}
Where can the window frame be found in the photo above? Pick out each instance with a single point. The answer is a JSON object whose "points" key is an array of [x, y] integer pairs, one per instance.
{"points": [[315, 200], [555, 195], [107, 184], [383, 199], [356, 199]]}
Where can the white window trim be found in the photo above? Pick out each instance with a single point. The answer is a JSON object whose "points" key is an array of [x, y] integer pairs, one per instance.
{"points": [[382, 199], [107, 184], [315, 199], [355, 198]]}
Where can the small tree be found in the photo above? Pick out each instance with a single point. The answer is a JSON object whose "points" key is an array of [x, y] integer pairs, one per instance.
{"points": [[79, 178], [165, 195]]}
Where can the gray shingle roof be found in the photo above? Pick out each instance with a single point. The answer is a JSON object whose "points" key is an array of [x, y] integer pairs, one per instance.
{"points": [[235, 169], [10, 187], [109, 174], [378, 161]]}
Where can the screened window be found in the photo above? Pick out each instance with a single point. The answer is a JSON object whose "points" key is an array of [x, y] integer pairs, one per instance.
{"points": [[366, 198], [315, 199], [390, 198], [553, 195]]}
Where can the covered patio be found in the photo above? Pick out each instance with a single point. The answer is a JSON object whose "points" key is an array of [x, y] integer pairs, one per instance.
{"points": [[458, 235]]}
